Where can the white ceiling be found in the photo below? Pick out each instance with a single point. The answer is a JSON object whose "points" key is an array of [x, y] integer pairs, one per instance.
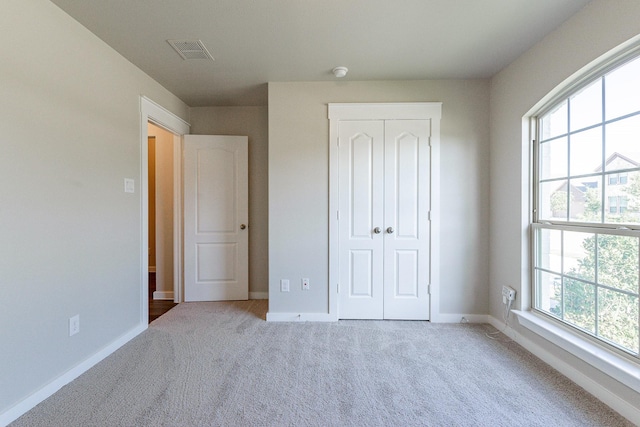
{"points": [[258, 41]]}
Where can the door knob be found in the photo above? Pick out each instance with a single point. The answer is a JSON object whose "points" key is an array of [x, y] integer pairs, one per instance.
{"points": [[377, 230], [390, 230], [242, 226]]}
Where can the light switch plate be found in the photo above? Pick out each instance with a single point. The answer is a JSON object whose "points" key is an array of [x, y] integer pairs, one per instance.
{"points": [[74, 325], [129, 185]]}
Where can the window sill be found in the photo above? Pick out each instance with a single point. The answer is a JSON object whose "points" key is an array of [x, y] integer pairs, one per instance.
{"points": [[617, 367]]}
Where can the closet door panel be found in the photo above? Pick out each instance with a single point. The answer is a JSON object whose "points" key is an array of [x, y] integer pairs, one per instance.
{"points": [[361, 151], [406, 218]]}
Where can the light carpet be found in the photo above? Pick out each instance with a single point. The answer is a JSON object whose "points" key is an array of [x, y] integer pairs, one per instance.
{"points": [[222, 364]]}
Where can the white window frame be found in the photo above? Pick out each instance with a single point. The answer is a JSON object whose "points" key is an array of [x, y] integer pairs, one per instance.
{"points": [[594, 352]]}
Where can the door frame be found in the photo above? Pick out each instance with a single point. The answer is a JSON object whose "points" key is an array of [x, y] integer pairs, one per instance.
{"points": [[151, 112], [385, 111]]}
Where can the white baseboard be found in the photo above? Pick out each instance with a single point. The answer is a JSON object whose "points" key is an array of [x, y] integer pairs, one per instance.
{"points": [[615, 402], [457, 318], [47, 390], [300, 317], [163, 295], [326, 317], [258, 295]]}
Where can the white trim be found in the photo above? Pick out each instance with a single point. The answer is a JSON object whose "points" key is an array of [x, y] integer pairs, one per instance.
{"points": [[386, 111], [163, 295], [31, 401], [617, 367], [434, 250], [178, 210], [300, 317], [158, 115], [457, 318], [258, 295], [611, 399]]}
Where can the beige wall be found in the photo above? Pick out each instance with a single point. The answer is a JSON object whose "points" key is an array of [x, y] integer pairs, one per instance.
{"points": [[69, 234], [599, 27], [299, 187], [251, 122]]}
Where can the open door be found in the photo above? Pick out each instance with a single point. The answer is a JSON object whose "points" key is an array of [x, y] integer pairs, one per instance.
{"points": [[216, 235]]}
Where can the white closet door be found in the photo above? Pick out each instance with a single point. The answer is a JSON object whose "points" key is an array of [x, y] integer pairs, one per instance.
{"points": [[384, 235], [215, 218], [361, 151], [406, 222]]}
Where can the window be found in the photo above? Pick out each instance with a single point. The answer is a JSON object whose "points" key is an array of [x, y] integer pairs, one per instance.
{"points": [[617, 204], [586, 226], [618, 179]]}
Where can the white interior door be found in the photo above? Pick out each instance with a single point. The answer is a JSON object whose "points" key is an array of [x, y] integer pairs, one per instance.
{"points": [[215, 218], [384, 194], [361, 154], [406, 220]]}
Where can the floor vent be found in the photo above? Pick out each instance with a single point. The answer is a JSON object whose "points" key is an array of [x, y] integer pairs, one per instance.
{"points": [[190, 49]]}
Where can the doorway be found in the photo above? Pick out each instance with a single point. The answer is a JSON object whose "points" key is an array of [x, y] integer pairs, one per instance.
{"points": [[152, 113], [161, 222], [161, 211]]}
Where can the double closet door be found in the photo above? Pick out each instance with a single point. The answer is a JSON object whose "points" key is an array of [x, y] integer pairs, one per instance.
{"points": [[383, 225]]}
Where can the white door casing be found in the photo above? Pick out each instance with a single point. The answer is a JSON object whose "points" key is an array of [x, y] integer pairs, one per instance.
{"points": [[406, 139], [150, 112], [215, 218]]}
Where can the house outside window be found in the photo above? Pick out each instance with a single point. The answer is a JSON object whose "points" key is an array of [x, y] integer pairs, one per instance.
{"points": [[586, 225]]}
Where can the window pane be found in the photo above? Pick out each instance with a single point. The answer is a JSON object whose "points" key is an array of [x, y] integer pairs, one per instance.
{"points": [[622, 198], [586, 106], [618, 262], [553, 201], [624, 203], [586, 152], [580, 304], [549, 293], [618, 318], [549, 249], [553, 159], [613, 204], [554, 123], [622, 146], [580, 255], [630, 191], [622, 88], [586, 200]]}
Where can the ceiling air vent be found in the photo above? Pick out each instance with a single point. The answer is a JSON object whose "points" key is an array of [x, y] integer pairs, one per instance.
{"points": [[190, 49]]}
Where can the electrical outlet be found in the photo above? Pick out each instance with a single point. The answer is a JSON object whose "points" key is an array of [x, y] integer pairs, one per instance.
{"points": [[305, 284], [284, 285], [508, 294], [74, 325]]}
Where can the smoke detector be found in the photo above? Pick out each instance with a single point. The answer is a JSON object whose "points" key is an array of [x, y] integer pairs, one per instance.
{"points": [[190, 49], [340, 71]]}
